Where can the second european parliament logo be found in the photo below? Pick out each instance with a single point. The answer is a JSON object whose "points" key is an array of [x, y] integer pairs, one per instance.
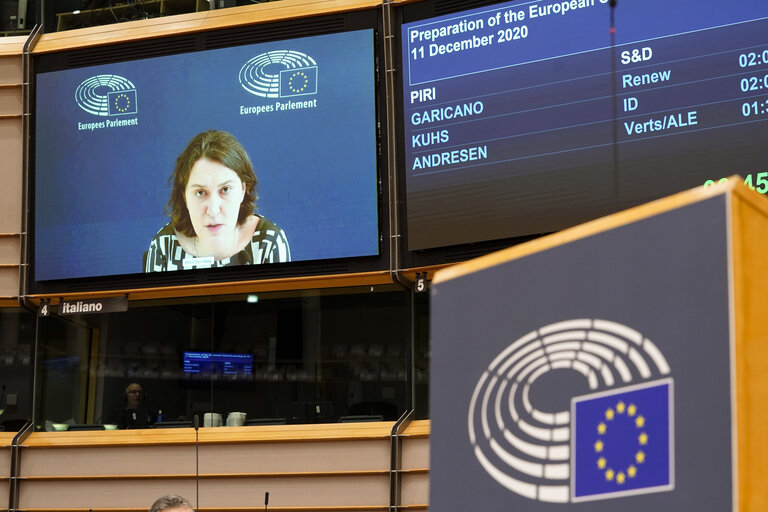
{"points": [[615, 441], [107, 95], [279, 74]]}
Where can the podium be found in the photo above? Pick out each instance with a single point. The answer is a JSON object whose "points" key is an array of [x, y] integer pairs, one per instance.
{"points": [[621, 364]]}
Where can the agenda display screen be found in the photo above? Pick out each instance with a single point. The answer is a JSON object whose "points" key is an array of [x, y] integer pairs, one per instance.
{"points": [[528, 117], [206, 363], [252, 154]]}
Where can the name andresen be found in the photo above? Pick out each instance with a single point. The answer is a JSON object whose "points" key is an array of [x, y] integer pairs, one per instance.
{"points": [[278, 106], [108, 124]]}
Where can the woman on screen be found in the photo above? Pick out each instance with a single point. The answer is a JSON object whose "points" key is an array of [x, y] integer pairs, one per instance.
{"points": [[211, 208]]}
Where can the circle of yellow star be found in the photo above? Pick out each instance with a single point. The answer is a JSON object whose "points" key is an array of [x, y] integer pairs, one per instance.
{"points": [[119, 97], [610, 474], [298, 75]]}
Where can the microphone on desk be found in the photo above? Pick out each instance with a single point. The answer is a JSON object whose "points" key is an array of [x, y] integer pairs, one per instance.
{"points": [[196, 423], [266, 500]]}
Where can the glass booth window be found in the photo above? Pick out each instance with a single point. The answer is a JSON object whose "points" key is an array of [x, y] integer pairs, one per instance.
{"points": [[301, 357], [16, 339]]}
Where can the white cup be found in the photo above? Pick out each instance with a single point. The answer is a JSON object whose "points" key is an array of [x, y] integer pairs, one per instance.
{"points": [[212, 419], [236, 419]]}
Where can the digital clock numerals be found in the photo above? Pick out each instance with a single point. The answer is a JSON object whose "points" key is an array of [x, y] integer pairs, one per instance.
{"points": [[752, 59], [754, 83], [757, 181], [754, 108]]}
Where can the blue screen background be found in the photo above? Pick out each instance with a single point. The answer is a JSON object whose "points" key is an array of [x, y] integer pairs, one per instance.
{"points": [[100, 195]]}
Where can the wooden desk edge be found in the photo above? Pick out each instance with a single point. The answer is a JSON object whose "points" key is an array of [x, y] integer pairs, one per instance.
{"points": [[220, 435], [181, 24]]}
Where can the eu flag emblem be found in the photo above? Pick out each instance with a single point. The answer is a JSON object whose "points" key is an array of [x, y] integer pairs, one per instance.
{"points": [[622, 442], [122, 102], [298, 81]]}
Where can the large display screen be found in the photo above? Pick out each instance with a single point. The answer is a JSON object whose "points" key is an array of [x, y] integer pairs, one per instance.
{"points": [[526, 117], [153, 164]]}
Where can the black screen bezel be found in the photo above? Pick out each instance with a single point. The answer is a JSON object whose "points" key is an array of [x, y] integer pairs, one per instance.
{"points": [[201, 41]]}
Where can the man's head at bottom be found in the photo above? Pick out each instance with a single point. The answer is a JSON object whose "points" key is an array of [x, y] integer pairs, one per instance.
{"points": [[172, 503]]}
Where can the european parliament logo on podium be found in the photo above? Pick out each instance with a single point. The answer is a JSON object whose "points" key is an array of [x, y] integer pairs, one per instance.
{"points": [[614, 441], [622, 442]]}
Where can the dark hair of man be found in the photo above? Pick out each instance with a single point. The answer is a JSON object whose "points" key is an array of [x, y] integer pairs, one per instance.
{"points": [[217, 146], [170, 501]]}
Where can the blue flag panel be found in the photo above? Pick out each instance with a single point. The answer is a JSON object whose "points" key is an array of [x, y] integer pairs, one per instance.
{"points": [[622, 441], [298, 82], [122, 102]]}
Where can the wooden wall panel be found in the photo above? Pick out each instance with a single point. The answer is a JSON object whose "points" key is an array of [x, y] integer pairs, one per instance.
{"points": [[342, 467], [275, 458], [11, 149], [10, 65], [214, 459], [415, 489], [4, 491], [415, 465], [416, 453], [310, 491], [11, 158], [5, 467], [100, 494], [5, 464], [10, 101], [9, 281], [289, 491], [10, 249], [91, 461], [326, 466]]}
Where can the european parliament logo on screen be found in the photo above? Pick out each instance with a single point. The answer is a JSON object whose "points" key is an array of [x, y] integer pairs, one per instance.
{"points": [[616, 440], [279, 74], [107, 95]]}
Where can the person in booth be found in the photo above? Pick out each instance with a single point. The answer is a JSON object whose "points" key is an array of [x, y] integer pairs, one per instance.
{"points": [[133, 414], [213, 223], [171, 503]]}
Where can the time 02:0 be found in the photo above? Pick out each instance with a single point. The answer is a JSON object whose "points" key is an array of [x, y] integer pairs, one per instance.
{"points": [[759, 183]]}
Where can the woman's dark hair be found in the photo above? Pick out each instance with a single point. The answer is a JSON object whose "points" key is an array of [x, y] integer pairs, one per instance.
{"points": [[217, 146]]}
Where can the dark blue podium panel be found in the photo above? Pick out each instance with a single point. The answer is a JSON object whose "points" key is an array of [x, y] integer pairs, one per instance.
{"points": [[592, 376]]}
